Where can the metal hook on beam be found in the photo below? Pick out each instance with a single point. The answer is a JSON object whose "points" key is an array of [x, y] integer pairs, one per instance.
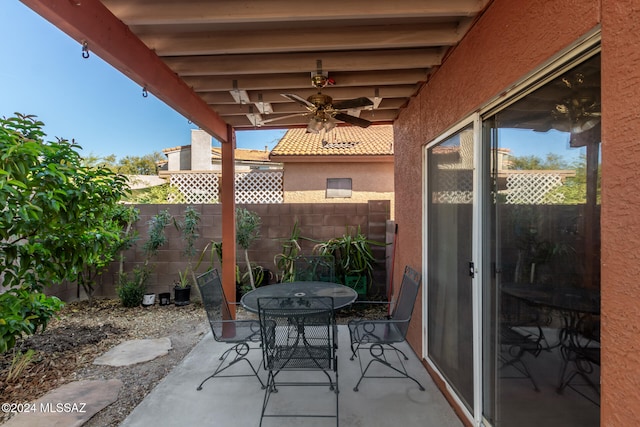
{"points": [[85, 49]]}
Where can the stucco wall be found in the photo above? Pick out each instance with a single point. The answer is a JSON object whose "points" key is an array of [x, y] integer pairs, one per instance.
{"points": [[510, 40], [620, 218], [306, 182]]}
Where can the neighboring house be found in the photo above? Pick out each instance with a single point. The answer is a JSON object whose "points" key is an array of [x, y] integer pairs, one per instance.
{"points": [[201, 157], [347, 164]]}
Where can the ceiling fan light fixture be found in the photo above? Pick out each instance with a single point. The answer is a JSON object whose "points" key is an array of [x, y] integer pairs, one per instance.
{"points": [[316, 124], [329, 125]]}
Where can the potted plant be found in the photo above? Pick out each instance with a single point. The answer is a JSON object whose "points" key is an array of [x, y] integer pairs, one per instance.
{"points": [[353, 257]]}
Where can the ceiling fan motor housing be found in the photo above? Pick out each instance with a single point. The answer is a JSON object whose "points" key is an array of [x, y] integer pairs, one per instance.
{"points": [[320, 100]]}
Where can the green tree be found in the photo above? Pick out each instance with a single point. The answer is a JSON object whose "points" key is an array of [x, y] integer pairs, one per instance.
{"points": [[574, 189], [159, 194], [551, 161], [116, 236], [52, 222], [140, 165], [93, 160]]}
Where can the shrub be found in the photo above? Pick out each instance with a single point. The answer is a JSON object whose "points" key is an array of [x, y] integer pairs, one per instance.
{"points": [[131, 292], [23, 312]]}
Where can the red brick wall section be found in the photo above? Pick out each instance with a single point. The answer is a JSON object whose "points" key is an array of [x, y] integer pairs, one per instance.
{"points": [[620, 219]]}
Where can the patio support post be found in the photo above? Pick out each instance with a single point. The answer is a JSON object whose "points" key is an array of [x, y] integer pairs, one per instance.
{"points": [[227, 198]]}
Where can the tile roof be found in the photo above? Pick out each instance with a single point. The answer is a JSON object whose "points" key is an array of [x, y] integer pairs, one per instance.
{"points": [[341, 141], [244, 154], [240, 154]]}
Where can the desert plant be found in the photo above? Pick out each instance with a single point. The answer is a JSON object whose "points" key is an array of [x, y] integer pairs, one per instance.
{"points": [[352, 254], [130, 286], [189, 231], [284, 261], [247, 231], [131, 291]]}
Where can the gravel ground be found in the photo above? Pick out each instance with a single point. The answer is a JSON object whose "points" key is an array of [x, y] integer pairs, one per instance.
{"points": [[66, 350]]}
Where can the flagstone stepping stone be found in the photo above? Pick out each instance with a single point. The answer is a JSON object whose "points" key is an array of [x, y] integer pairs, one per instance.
{"points": [[134, 351], [69, 405]]}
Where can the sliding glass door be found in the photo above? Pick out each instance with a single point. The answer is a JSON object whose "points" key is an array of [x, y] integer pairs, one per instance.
{"points": [[512, 261], [541, 281], [449, 254]]}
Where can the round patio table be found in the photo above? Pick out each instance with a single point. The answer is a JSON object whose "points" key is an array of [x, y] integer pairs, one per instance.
{"points": [[342, 295]]}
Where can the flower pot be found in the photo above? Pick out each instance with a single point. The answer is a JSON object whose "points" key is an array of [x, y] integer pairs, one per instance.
{"points": [[182, 296], [165, 298], [359, 283], [148, 299]]}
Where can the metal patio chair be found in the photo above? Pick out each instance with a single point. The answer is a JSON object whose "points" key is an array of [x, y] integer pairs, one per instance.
{"points": [[379, 337], [298, 334], [240, 333], [516, 342], [580, 349]]}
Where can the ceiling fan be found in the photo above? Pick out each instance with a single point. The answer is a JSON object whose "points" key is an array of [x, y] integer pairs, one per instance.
{"points": [[322, 111], [580, 111]]}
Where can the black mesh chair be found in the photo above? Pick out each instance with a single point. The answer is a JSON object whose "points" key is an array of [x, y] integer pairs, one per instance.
{"points": [[314, 268], [580, 350], [515, 343], [240, 333], [298, 334], [379, 337]]}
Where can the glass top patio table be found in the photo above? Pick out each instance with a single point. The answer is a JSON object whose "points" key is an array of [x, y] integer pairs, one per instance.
{"points": [[557, 297], [342, 295]]}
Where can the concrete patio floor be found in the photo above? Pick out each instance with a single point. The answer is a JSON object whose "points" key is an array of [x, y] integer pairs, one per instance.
{"points": [[238, 401]]}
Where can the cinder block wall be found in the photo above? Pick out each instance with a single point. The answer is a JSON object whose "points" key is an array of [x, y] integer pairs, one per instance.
{"points": [[317, 222]]}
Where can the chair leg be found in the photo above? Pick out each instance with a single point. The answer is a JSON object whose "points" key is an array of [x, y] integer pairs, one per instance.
{"points": [[241, 350], [523, 369], [271, 388], [377, 352]]}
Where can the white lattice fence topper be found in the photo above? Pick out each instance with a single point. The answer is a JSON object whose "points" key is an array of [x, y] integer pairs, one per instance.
{"points": [[453, 186], [197, 187], [259, 187], [533, 188]]}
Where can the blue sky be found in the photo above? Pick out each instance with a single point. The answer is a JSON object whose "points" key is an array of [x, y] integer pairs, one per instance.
{"points": [[44, 74]]}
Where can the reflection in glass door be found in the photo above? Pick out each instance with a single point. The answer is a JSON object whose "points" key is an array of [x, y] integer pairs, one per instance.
{"points": [[541, 281], [449, 243]]}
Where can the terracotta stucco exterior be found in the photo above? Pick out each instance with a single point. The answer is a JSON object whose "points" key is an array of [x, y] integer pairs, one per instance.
{"points": [[620, 220], [509, 41]]}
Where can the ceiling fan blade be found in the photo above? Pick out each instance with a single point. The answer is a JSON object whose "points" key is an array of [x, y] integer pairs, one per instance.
{"points": [[262, 122], [352, 103], [295, 98], [352, 120]]}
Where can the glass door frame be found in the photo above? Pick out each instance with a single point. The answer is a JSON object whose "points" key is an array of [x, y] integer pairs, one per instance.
{"points": [[476, 305]]}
